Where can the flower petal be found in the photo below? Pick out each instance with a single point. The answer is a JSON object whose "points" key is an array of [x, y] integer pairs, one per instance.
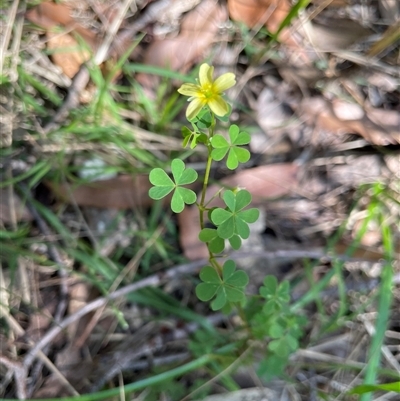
{"points": [[218, 106], [189, 90], [194, 108], [224, 82], [205, 74]]}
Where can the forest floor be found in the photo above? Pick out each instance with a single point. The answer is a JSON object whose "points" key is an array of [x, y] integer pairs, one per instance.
{"points": [[97, 280]]}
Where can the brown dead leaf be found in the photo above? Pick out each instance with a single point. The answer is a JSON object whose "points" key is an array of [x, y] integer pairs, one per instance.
{"points": [[49, 15], [65, 49], [340, 117], [263, 183], [271, 14], [122, 192], [335, 34], [259, 12], [69, 61], [199, 30]]}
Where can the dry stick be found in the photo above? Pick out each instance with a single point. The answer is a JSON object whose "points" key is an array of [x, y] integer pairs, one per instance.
{"points": [[4, 314], [131, 265], [19, 376], [62, 273], [54, 254], [82, 77], [123, 360], [7, 34], [19, 331], [152, 281]]}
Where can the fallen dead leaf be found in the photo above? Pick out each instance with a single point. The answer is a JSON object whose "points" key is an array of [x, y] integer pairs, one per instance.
{"points": [[259, 12], [335, 34], [122, 192], [379, 127], [66, 51], [48, 15], [199, 30], [60, 46], [265, 182]]}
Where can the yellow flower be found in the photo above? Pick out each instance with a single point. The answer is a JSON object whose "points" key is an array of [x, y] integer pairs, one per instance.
{"points": [[208, 92]]}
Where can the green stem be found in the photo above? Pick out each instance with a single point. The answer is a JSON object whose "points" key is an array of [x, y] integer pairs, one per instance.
{"points": [[202, 205], [204, 190], [208, 169]]}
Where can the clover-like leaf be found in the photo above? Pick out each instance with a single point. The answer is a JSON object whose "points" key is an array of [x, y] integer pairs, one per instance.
{"points": [[232, 277], [279, 347], [229, 288], [236, 154], [234, 220], [216, 244], [277, 295], [235, 242], [283, 346], [272, 366], [276, 330], [163, 185]]}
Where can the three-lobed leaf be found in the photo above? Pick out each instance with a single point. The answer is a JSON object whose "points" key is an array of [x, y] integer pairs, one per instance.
{"points": [[216, 244], [236, 154], [228, 288], [234, 220], [163, 185], [277, 295]]}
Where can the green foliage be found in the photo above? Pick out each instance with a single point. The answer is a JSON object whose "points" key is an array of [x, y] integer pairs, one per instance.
{"points": [[172, 389], [277, 295], [233, 220], [193, 137], [163, 185], [271, 366], [203, 120], [204, 342], [268, 317], [368, 388], [236, 154], [216, 244], [228, 288], [274, 321]]}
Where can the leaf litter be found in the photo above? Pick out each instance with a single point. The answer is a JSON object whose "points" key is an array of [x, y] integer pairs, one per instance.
{"points": [[327, 111]]}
